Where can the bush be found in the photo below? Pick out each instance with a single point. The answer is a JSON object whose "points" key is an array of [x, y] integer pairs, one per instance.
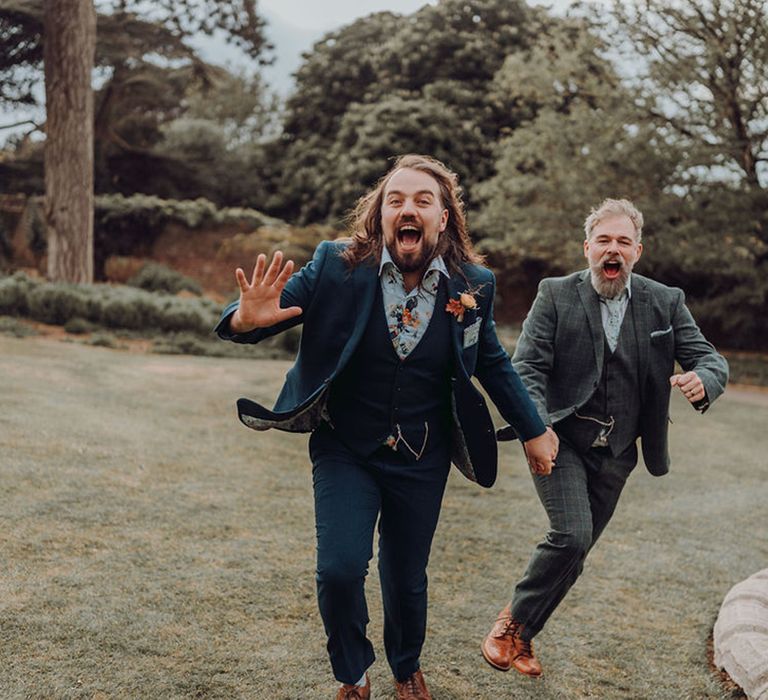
{"points": [[154, 277], [14, 291], [57, 303], [78, 326], [129, 226], [112, 306], [15, 328], [103, 340]]}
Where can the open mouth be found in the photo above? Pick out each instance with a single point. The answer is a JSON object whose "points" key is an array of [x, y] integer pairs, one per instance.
{"points": [[612, 269], [408, 237]]}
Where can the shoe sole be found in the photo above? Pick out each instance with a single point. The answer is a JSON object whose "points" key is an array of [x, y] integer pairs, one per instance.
{"points": [[501, 668]]}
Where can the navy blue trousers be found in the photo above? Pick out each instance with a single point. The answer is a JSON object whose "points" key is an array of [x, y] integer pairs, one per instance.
{"points": [[351, 494]]}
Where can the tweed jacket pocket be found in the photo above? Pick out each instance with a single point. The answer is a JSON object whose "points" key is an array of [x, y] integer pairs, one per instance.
{"points": [[663, 333]]}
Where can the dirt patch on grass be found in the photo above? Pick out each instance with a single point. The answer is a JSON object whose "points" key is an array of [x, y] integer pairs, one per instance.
{"points": [[153, 547]]}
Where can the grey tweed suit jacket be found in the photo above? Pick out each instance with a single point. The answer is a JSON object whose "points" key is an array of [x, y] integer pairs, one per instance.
{"points": [[559, 355]]}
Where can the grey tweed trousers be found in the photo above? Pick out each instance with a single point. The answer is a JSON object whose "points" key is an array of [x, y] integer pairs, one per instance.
{"points": [[580, 496]]}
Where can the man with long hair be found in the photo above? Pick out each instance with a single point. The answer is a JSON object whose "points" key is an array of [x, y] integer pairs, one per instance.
{"points": [[597, 353], [395, 322]]}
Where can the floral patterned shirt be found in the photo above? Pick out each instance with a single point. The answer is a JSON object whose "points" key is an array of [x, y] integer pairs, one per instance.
{"points": [[408, 313]]}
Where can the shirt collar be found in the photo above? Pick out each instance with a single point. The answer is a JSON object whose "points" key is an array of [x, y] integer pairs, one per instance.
{"points": [[437, 263]]}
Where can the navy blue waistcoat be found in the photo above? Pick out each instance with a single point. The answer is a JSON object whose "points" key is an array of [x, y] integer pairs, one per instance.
{"points": [[378, 395]]}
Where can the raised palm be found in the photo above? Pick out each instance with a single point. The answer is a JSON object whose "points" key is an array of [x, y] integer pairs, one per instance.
{"points": [[260, 298]]}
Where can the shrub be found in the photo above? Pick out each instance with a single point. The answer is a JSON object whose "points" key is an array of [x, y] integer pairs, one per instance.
{"points": [[112, 306], [129, 226], [57, 303], [15, 328], [78, 326], [14, 291], [154, 277], [103, 340]]}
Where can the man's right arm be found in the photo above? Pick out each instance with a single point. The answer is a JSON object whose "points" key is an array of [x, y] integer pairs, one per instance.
{"points": [[534, 354], [293, 296]]}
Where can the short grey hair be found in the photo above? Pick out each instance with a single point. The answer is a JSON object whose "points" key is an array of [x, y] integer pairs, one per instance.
{"points": [[614, 207]]}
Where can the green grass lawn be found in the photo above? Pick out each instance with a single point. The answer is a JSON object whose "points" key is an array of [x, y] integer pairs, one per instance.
{"points": [[152, 547]]}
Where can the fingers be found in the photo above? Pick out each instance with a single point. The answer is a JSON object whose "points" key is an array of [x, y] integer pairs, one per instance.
{"points": [[541, 467], [555, 442], [258, 271], [274, 268], [241, 281], [690, 385], [273, 275], [284, 276], [290, 312], [540, 452]]}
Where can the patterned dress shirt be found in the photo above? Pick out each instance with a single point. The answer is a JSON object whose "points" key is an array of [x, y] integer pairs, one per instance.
{"points": [[408, 313], [612, 313]]}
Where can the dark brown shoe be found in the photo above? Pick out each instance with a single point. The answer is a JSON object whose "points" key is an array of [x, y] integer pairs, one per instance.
{"points": [[504, 648], [412, 688], [355, 692]]}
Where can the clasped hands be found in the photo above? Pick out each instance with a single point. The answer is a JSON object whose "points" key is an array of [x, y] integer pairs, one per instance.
{"points": [[260, 298], [541, 452]]}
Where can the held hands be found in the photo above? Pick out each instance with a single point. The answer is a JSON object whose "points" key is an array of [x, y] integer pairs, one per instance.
{"points": [[541, 452], [690, 386], [260, 299]]}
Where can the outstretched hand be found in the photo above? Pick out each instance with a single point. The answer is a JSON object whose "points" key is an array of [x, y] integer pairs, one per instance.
{"points": [[260, 298], [541, 452]]}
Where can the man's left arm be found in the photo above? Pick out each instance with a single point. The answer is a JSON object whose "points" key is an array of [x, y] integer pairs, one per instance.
{"points": [[705, 371], [498, 377]]}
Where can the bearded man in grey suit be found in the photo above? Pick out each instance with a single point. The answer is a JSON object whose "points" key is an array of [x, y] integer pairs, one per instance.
{"points": [[597, 354]]}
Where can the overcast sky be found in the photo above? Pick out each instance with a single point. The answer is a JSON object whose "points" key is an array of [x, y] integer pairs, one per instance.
{"points": [[329, 14]]}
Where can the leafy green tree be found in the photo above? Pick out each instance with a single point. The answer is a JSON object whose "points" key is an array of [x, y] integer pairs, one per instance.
{"points": [[702, 79], [414, 73], [706, 79], [581, 140], [66, 30], [220, 142]]}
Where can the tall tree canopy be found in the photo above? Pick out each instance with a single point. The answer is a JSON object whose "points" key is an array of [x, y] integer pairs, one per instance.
{"points": [[418, 83], [25, 25], [702, 80]]}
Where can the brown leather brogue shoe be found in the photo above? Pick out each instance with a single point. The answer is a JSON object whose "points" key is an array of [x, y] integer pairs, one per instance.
{"points": [[355, 692], [412, 688], [504, 648], [524, 660]]}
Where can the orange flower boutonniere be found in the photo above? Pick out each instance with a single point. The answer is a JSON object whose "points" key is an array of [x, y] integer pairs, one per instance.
{"points": [[458, 307]]}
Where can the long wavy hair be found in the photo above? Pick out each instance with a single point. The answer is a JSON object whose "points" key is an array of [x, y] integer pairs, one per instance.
{"points": [[367, 237]]}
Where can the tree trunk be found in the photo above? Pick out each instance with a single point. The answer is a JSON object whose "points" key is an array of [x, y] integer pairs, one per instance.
{"points": [[68, 53]]}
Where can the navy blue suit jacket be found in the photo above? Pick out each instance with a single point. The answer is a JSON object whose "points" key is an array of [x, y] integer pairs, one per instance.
{"points": [[336, 301]]}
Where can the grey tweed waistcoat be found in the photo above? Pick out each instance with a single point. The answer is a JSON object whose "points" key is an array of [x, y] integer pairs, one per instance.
{"points": [[616, 396]]}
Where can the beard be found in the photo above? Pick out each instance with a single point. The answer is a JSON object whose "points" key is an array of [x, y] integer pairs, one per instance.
{"points": [[609, 288], [416, 261]]}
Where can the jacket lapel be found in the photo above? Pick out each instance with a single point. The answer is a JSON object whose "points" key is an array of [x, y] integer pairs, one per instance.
{"points": [[455, 286], [592, 308], [364, 280], [641, 313]]}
